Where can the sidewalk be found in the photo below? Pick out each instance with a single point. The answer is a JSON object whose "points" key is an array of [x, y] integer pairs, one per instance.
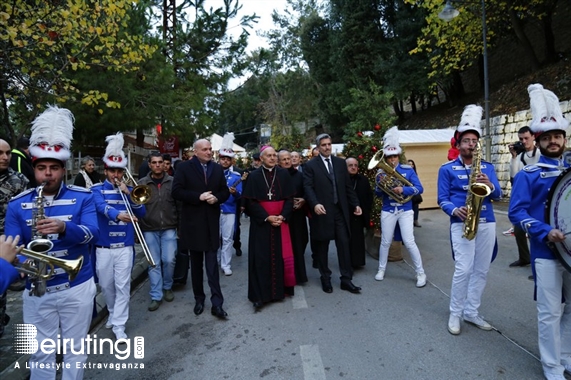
{"points": [[8, 357]]}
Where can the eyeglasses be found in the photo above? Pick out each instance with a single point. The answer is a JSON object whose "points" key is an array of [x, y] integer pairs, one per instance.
{"points": [[157, 162]]}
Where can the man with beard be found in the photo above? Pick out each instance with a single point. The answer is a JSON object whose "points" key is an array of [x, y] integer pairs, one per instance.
{"points": [[358, 223], [268, 195], [530, 190], [472, 258], [331, 198], [297, 222], [200, 185], [64, 311]]}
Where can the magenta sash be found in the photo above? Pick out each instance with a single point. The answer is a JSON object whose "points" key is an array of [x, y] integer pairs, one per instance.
{"points": [[275, 208]]}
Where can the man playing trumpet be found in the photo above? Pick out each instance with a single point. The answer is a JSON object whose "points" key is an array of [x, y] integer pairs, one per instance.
{"points": [[396, 212], [115, 247]]}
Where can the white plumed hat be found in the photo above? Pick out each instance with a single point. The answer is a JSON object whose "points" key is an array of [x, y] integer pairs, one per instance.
{"points": [[391, 145], [545, 110], [470, 121], [114, 155], [52, 132], [227, 145]]}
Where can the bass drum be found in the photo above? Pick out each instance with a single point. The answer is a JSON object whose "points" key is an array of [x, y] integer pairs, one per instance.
{"points": [[558, 215]]}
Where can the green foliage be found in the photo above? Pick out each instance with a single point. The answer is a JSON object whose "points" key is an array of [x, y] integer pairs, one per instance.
{"points": [[289, 138], [44, 41]]}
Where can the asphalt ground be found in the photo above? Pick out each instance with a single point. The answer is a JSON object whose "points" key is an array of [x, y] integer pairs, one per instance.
{"points": [[392, 330]]}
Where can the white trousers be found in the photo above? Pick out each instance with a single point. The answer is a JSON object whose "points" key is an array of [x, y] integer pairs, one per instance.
{"points": [[227, 222], [113, 266], [405, 220], [471, 266], [553, 318], [72, 310]]}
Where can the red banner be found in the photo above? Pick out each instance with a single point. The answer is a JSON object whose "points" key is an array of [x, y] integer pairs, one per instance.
{"points": [[169, 145]]}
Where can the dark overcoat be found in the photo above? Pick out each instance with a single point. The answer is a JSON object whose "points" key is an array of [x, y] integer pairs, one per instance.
{"points": [[199, 221], [318, 187]]}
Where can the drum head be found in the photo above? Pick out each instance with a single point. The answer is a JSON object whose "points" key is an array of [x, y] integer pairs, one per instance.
{"points": [[558, 215]]}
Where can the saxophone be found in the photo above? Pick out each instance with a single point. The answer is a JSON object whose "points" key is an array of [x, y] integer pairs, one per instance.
{"points": [[39, 244], [476, 193]]}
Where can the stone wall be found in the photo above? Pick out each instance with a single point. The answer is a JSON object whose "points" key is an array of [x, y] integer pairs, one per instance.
{"points": [[504, 132]]}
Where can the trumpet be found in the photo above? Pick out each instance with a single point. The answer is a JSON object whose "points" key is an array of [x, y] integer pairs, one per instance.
{"points": [[41, 267], [143, 196]]}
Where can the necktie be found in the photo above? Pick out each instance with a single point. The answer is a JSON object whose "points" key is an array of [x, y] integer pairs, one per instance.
{"points": [[205, 173], [332, 175]]}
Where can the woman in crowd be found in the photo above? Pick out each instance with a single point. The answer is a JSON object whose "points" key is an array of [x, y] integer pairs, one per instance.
{"points": [[87, 175]]}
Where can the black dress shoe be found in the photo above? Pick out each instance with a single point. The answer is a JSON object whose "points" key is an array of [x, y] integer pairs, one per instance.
{"points": [[350, 287], [257, 305], [238, 252], [219, 312], [198, 308], [326, 286], [519, 263]]}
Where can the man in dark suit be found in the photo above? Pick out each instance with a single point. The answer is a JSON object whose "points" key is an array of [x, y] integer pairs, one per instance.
{"points": [[330, 196], [201, 186]]}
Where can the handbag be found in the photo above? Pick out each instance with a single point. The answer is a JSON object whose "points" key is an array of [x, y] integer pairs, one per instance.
{"points": [[417, 198]]}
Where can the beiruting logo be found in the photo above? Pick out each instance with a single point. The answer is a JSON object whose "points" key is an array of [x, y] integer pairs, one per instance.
{"points": [[25, 342]]}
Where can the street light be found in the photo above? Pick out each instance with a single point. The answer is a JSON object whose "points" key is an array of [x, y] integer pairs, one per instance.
{"points": [[447, 14]]}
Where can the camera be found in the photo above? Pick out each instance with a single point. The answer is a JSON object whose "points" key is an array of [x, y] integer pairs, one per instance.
{"points": [[518, 147]]}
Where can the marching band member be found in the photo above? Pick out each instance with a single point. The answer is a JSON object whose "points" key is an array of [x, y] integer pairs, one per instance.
{"points": [[529, 193], [228, 208], [394, 212], [8, 250], [66, 216], [115, 248], [472, 258]]}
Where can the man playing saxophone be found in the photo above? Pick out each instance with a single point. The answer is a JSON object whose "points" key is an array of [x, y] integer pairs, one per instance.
{"points": [[66, 216], [472, 252], [396, 212]]}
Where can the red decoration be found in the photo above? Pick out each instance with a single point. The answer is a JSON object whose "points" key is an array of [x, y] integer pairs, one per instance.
{"points": [[360, 134], [374, 148], [377, 127], [371, 224], [360, 157]]}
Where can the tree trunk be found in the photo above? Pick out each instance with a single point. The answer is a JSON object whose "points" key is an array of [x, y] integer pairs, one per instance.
{"points": [[413, 103], [140, 138], [550, 52], [523, 40]]}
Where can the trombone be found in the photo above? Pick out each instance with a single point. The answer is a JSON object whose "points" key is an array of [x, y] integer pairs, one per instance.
{"points": [[140, 194]]}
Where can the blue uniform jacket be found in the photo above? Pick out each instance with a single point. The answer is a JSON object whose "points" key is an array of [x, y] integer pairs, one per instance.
{"points": [[527, 203], [453, 181], [229, 207], [74, 205], [8, 274], [109, 204], [392, 206]]}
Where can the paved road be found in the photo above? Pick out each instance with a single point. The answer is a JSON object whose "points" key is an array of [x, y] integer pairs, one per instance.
{"points": [[391, 331]]}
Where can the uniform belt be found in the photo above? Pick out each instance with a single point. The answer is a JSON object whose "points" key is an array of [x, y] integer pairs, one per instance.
{"points": [[115, 245]]}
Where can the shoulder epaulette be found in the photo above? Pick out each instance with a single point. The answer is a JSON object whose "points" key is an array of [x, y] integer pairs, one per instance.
{"points": [[23, 193], [448, 162], [531, 168], [78, 188], [405, 166]]}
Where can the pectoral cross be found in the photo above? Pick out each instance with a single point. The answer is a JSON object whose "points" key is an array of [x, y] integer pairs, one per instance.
{"points": [[269, 195]]}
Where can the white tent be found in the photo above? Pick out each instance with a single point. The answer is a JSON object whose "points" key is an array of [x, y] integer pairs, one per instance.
{"points": [[216, 141]]}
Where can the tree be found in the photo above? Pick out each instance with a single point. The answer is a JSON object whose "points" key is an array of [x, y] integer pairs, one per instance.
{"points": [[45, 40]]}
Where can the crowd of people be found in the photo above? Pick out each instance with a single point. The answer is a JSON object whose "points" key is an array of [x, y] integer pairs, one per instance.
{"points": [[194, 208]]}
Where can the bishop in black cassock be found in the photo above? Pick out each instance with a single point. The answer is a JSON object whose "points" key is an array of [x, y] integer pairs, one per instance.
{"points": [[268, 196]]}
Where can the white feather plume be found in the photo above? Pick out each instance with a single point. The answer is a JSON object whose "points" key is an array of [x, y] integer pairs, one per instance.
{"points": [[52, 132], [545, 110], [226, 148], [391, 145], [471, 119], [114, 155]]}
